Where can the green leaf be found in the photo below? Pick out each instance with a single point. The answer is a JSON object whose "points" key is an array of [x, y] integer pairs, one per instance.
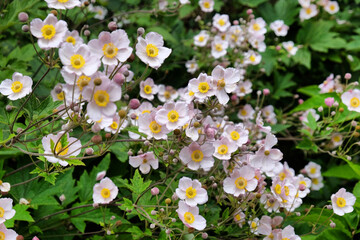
{"points": [[356, 190], [279, 127], [311, 121], [138, 184], [315, 102], [21, 215], [286, 10], [251, 3], [307, 144], [120, 150], [75, 162], [269, 60], [303, 56], [310, 91], [137, 233], [343, 171], [282, 83], [49, 177], [186, 10]]}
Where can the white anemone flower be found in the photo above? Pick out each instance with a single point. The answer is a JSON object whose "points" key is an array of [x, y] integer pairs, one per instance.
{"points": [[63, 4], [7, 234], [243, 88], [191, 192], [224, 148], [236, 133], [105, 191], [144, 162], [148, 89], [197, 156], [112, 47], [343, 202], [313, 170], [191, 66], [290, 47], [201, 39], [78, 59], [73, 37], [60, 145], [352, 99], [257, 26], [279, 28], [207, 5], [17, 88], [4, 186], [308, 12], [251, 57], [218, 47], [173, 115], [221, 22], [201, 87], [190, 216], [240, 181], [332, 7], [288, 233], [153, 129], [6, 209], [151, 51], [246, 112]]}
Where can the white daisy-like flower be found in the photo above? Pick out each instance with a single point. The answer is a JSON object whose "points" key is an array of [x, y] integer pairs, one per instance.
{"points": [[271, 204], [73, 37], [257, 42], [305, 3], [317, 183], [331, 7], [239, 217], [153, 129], [201, 87], [235, 36], [352, 99], [246, 112], [148, 89], [50, 32], [7, 234], [190, 216], [201, 39], [224, 148], [115, 126], [342, 202], [63, 4], [191, 192], [17, 88], [221, 22], [173, 115], [313, 170], [197, 156], [151, 51], [207, 5], [78, 59], [144, 162], [257, 26], [191, 66], [167, 93], [99, 10], [308, 12], [288, 233], [112, 47], [237, 133], [254, 225], [290, 47], [279, 28], [243, 88], [284, 191], [61, 145], [252, 57], [105, 191], [336, 140], [240, 180], [218, 47], [6, 209]]}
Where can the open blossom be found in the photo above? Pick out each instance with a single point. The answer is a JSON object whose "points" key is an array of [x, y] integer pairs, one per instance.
{"points": [[112, 47], [105, 191], [240, 181], [331, 7], [17, 88], [99, 10], [201, 87], [7, 234], [254, 225], [218, 47], [153, 129], [78, 59], [151, 51], [224, 148], [6, 209], [313, 170], [352, 99], [308, 12], [239, 217], [305, 3], [243, 88], [342, 202], [201, 39], [252, 58], [60, 145], [207, 5], [197, 156], [221, 22], [257, 26], [50, 32], [279, 28], [167, 93], [287, 233], [148, 89], [317, 183], [246, 112], [224, 81], [173, 115], [144, 162], [191, 192], [191, 66], [289, 46], [190, 216], [63, 4], [237, 133], [73, 37]]}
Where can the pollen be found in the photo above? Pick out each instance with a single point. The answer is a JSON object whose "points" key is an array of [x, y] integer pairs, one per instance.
{"points": [[48, 31], [16, 86], [355, 102], [189, 217], [148, 89], [190, 192], [197, 156], [152, 50], [110, 51], [173, 116], [101, 98], [240, 183], [77, 61], [105, 193], [71, 39], [155, 127], [203, 87], [222, 149]]}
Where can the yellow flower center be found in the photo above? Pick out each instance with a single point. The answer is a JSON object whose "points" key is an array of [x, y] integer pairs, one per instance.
{"points": [[173, 116], [286, 190], [282, 176], [201, 38], [189, 217], [222, 149], [312, 170], [83, 81], [278, 189], [190, 192], [148, 89], [60, 96], [16, 86], [110, 51], [253, 225], [308, 11], [332, 7], [285, 239], [337, 138], [191, 93], [240, 183], [252, 58], [354, 102], [48, 31], [63, 1], [2, 211], [237, 217], [167, 94], [267, 153], [243, 112], [197, 156], [269, 204], [221, 84], [221, 22], [218, 47], [2, 235], [155, 127], [105, 193], [315, 181], [341, 202], [60, 150], [71, 39], [256, 27], [114, 125], [234, 135], [145, 111], [303, 183], [203, 87], [77, 61], [206, 5], [152, 50], [101, 98], [145, 160]]}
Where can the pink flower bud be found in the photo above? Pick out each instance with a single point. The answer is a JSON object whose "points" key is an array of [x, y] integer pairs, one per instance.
{"points": [[23, 17], [348, 76], [168, 231], [152, 226], [302, 187], [153, 212], [278, 48], [87, 32], [249, 11], [266, 91], [301, 101], [119, 78], [234, 97], [95, 205], [133, 116], [276, 221], [332, 224], [329, 101], [25, 28], [35, 238], [95, 128], [210, 132], [236, 22], [155, 191], [336, 104], [204, 235], [100, 175], [89, 151], [112, 26], [134, 103]]}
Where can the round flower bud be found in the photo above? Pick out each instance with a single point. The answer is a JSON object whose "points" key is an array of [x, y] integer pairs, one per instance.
{"points": [[167, 201], [131, 59], [197, 124], [249, 11], [168, 231], [152, 226], [320, 109], [147, 143], [25, 28], [258, 92], [266, 91], [348, 76], [95, 205], [119, 78], [302, 187], [300, 101], [87, 32], [204, 235], [174, 197], [8, 108], [130, 153], [155, 191], [62, 197], [329, 207], [97, 81], [177, 131], [95, 128], [173, 220], [96, 139], [126, 73], [58, 89], [23, 17], [112, 26], [341, 109], [172, 152], [133, 116], [140, 31], [332, 224], [134, 103], [108, 135], [278, 48], [89, 151], [19, 237], [214, 185], [122, 113], [153, 212], [54, 12], [126, 97], [236, 22], [298, 214]]}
